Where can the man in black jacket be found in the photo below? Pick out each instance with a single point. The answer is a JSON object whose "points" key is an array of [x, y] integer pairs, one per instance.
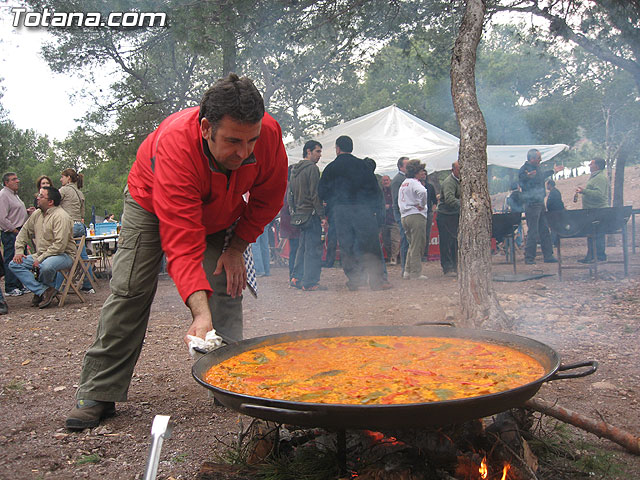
{"points": [[351, 188], [532, 178]]}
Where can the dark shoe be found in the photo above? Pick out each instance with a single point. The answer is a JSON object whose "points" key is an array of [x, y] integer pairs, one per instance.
{"points": [[4, 308], [529, 261], [352, 286], [315, 287], [88, 413], [382, 286], [35, 301], [551, 260], [47, 297], [602, 259], [586, 260], [295, 283]]}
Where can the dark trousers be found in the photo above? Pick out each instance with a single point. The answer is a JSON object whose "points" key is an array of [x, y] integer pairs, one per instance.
{"points": [[600, 244], [309, 255], [404, 243], [293, 251], [359, 245], [537, 231], [448, 230], [11, 282]]}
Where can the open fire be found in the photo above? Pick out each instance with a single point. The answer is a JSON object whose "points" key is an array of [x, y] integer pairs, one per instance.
{"points": [[484, 471]]}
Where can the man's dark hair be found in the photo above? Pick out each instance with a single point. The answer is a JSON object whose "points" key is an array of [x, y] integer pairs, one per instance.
{"points": [[533, 153], [600, 163], [6, 176], [345, 144], [310, 146], [551, 183], [401, 161], [234, 96], [414, 167], [53, 194]]}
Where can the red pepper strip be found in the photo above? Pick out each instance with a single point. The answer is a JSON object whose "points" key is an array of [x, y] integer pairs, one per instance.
{"points": [[419, 372], [391, 397], [254, 379]]}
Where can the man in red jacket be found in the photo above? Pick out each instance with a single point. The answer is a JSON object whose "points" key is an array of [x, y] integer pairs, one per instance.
{"points": [[184, 195]]}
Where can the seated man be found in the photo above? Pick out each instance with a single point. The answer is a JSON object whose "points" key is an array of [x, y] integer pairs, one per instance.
{"points": [[52, 228]]}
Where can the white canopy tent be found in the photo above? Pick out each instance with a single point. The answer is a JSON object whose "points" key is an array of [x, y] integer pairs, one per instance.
{"points": [[389, 133]]}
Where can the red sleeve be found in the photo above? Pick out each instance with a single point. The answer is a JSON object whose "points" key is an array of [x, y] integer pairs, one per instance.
{"points": [[177, 203], [266, 196]]}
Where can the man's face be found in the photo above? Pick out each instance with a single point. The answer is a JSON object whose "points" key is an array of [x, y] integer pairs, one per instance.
{"points": [[456, 170], [535, 161], [13, 182], [232, 143], [315, 154], [43, 200], [593, 167], [403, 169], [421, 176], [386, 181]]}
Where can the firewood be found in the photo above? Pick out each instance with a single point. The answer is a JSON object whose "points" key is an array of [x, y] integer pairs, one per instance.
{"points": [[597, 427]]}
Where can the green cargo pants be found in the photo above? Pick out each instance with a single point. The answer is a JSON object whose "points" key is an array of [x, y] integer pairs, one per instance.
{"points": [[108, 364]]}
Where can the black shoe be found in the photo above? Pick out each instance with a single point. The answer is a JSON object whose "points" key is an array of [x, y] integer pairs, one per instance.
{"points": [[551, 260], [602, 259], [529, 261], [35, 301], [47, 297], [352, 286], [88, 413], [586, 260], [4, 308]]}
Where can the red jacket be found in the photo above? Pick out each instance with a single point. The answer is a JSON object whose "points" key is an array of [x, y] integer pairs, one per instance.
{"points": [[171, 178]]}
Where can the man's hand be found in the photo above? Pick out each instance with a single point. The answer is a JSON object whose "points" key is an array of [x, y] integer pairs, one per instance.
{"points": [[558, 168], [532, 173], [579, 190], [36, 263], [324, 223], [201, 324], [233, 264], [30, 210], [17, 258]]}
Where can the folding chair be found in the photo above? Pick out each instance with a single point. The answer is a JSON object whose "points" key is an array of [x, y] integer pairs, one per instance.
{"points": [[74, 276]]}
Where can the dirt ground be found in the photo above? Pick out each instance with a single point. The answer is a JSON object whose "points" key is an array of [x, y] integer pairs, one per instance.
{"points": [[41, 353]]}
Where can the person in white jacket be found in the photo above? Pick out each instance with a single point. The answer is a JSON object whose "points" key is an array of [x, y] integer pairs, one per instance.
{"points": [[412, 202]]}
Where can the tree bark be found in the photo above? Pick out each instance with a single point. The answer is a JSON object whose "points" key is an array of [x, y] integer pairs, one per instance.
{"points": [[618, 182], [479, 302], [599, 428]]}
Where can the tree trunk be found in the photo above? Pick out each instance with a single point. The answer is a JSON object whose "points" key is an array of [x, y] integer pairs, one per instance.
{"points": [[478, 299], [618, 182]]}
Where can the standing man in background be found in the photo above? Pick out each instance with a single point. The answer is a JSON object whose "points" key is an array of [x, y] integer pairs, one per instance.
{"points": [[13, 214], [532, 178], [390, 230], [595, 195], [350, 187], [308, 208], [395, 186], [448, 219]]}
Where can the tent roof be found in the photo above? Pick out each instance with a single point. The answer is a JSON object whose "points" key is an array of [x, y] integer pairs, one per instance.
{"points": [[389, 133]]}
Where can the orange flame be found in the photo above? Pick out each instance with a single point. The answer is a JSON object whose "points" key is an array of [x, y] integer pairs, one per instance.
{"points": [[484, 472], [505, 469]]}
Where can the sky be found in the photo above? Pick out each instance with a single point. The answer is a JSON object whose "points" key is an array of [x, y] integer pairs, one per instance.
{"points": [[29, 84]]}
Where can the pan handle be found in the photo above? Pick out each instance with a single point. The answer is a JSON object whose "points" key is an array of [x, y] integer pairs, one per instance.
{"points": [[443, 324], [592, 364], [251, 407]]}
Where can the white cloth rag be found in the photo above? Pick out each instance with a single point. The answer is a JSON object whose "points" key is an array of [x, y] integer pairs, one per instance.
{"points": [[211, 342]]}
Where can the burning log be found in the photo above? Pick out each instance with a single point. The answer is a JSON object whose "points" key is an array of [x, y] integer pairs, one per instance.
{"points": [[597, 427]]}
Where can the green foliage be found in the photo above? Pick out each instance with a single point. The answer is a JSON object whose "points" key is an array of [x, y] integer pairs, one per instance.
{"points": [[307, 464], [179, 458]]}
